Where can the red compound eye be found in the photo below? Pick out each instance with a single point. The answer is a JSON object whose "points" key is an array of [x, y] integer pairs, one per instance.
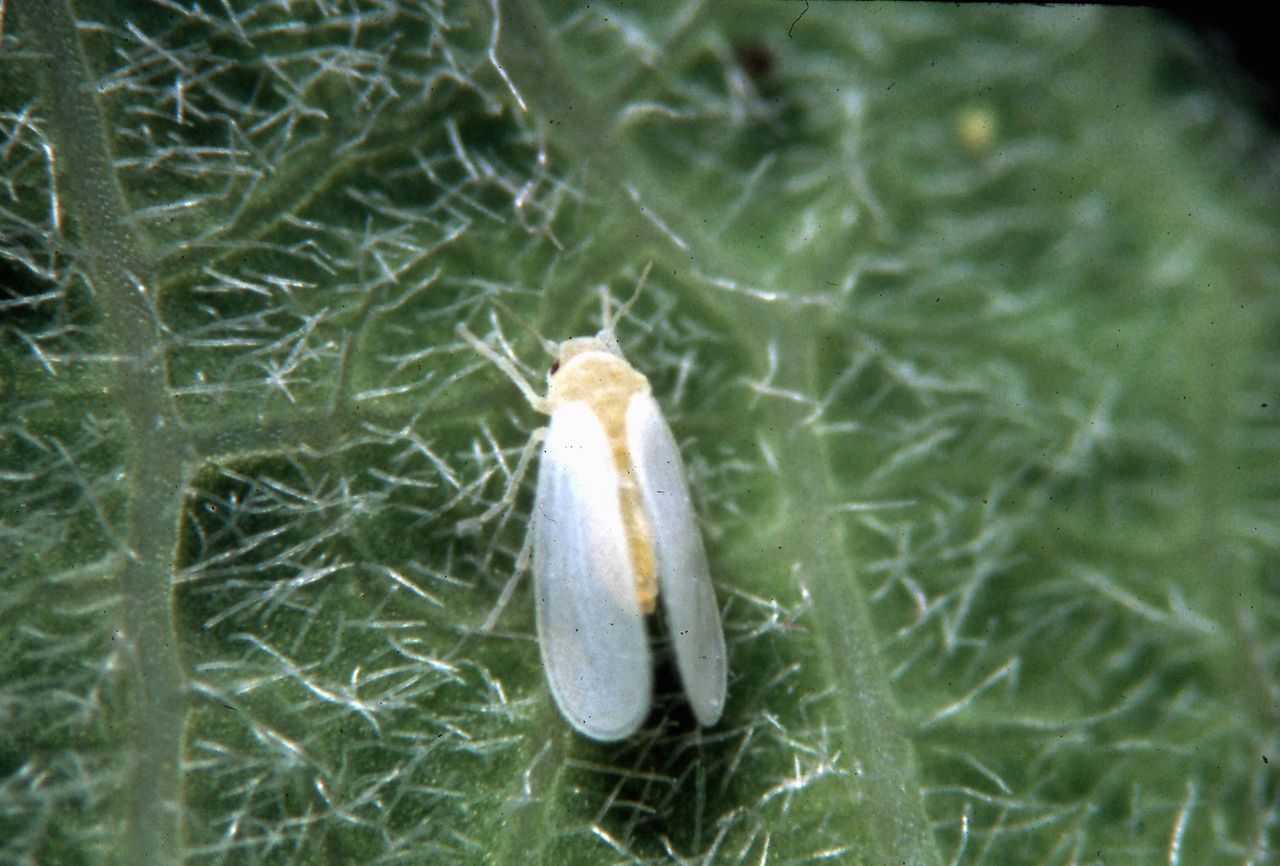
{"points": [[555, 365], [756, 60]]}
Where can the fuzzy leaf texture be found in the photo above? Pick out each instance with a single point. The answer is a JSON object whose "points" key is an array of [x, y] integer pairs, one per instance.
{"points": [[966, 319]]}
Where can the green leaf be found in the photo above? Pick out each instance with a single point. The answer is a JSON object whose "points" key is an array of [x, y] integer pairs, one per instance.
{"points": [[965, 320]]}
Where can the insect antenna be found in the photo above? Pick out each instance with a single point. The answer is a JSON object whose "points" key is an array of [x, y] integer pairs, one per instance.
{"points": [[610, 320]]}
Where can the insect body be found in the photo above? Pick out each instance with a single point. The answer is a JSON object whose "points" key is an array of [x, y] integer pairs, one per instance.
{"points": [[613, 530]]}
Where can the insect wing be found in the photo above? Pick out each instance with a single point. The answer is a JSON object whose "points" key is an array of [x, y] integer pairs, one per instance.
{"points": [[590, 629], [684, 580]]}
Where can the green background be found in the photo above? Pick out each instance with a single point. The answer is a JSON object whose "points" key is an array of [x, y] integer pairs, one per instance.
{"points": [[966, 320]]}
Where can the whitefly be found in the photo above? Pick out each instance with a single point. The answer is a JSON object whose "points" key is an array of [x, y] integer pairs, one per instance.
{"points": [[612, 531]]}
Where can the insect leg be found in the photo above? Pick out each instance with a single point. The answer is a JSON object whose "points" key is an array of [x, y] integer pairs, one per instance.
{"points": [[508, 498], [536, 400], [522, 565]]}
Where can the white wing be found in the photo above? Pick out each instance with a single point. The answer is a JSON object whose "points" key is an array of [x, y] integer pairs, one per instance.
{"points": [[590, 628], [684, 581]]}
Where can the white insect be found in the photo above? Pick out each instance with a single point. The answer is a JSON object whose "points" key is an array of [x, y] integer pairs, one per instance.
{"points": [[612, 529]]}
